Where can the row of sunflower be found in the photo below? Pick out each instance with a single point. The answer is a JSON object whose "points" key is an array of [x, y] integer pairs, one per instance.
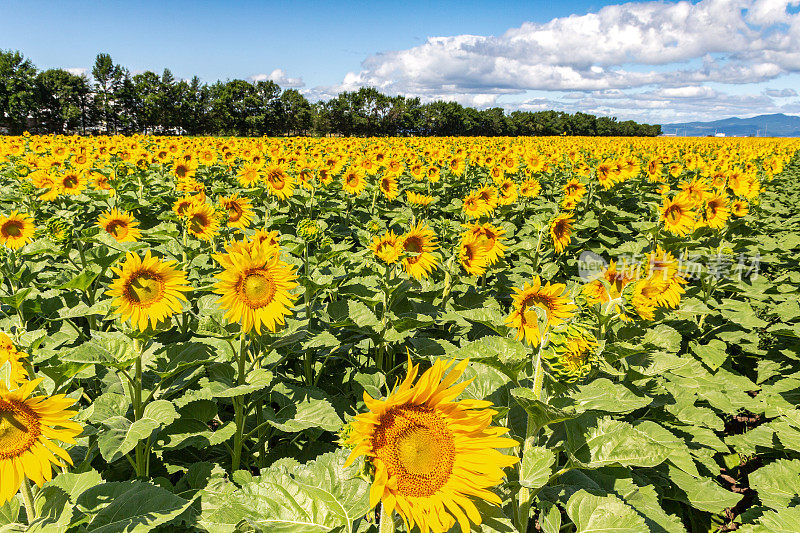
{"points": [[313, 270]]}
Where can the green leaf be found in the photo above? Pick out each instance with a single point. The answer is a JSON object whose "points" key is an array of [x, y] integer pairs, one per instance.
{"points": [[303, 409], [318, 496], [782, 521], [509, 356], [603, 514], [603, 395], [133, 507], [542, 413], [121, 435], [80, 282], [703, 493], [537, 466], [107, 349], [778, 483], [605, 442], [712, 354]]}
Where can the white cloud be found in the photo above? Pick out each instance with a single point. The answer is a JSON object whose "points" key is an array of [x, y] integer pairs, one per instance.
{"points": [[671, 49], [77, 71], [280, 77], [781, 93]]}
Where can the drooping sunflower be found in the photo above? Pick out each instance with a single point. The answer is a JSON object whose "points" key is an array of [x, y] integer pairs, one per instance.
{"points": [[16, 230], [551, 298], [240, 211], [387, 247], [473, 254], [419, 199], [202, 221], [561, 231], [677, 215], [11, 356], [121, 225], [147, 290], [431, 455], [27, 425], [255, 287], [418, 244]]}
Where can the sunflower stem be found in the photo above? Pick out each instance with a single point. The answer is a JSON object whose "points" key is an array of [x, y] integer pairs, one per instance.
{"points": [[387, 521], [142, 454], [238, 406], [532, 428], [308, 363], [27, 495]]}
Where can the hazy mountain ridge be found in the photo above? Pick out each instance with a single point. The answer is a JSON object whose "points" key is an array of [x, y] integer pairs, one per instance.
{"points": [[775, 125]]}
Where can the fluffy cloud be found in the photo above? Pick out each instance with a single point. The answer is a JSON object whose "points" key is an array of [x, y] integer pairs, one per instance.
{"points": [[77, 71], [671, 49], [281, 78], [781, 93]]}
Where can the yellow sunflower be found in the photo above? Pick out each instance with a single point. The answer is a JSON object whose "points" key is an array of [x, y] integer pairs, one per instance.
{"points": [[419, 199], [353, 181], [418, 244], [388, 187], [240, 211], [431, 455], [474, 206], [182, 205], [255, 287], [73, 182], [202, 221], [561, 231], [740, 208], [492, 237], [26, 426], [16, 230], [147, 290], [530, 188], [473, 254], [249, 174], [120, 225], [9, 354], [717, 211], [551, 298], [677, 215], [279, 182], [387, 247]]}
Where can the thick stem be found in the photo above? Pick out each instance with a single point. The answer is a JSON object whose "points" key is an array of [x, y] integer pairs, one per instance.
{"points": [[308, 362], [238, 406], [142, 454], [27, 496], [524, 497]]}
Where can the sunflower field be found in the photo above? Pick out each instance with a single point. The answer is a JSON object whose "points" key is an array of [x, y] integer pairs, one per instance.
{"points": [[399, 334]]}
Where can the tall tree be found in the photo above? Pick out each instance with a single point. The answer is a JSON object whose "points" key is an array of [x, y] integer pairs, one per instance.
{"points": [[17, 96], [108, 79]]}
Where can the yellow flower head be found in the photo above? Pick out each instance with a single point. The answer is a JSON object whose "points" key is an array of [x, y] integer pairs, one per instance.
{"points": [[16, 230], [431, 455]]}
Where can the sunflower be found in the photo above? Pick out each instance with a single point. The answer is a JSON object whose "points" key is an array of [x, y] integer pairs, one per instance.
{"points": [[473, 254], [279, 182], [182, 205], [574, 190], [16, 230], [387, 247], [492, 237], [388, 187], [11, 356], [550, 298], [662, 265], [184, 169], [530, 188], [474, 206], [73, 182], [240, 211], [353, 181], [255, 287], [508, 192], [249, 174], [147, 290], [419, 199], [202, 221], [717, 211], [740, 208], [431, 455], [120, 225], [561, 231], [418, 244], [26, 426], [677, 215]]}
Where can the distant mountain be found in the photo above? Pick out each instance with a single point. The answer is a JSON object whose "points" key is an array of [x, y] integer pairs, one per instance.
{"points": [[777, 125]]}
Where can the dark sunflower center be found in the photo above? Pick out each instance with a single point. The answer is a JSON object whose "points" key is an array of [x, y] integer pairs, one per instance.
{"points": [[70, 182], [117, 228], [198, 222], [19, 428], [12, 228], [258, 289], [145, 288], [413, 245]]}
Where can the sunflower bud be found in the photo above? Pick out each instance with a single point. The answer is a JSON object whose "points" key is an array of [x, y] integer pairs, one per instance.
{"points": [[308, 229], [572, 354]]}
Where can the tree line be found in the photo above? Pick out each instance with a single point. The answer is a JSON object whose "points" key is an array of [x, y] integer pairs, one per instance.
{"points": [[113, 100]]}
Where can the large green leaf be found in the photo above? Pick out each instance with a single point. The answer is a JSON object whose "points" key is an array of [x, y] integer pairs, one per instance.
{"points": [[778, 483], [605, 441], [318, 496], [603, 514], [120, 435], [506, 355]]}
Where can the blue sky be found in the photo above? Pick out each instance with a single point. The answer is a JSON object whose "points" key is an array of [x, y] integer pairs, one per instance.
{"points": [[653, 61]]}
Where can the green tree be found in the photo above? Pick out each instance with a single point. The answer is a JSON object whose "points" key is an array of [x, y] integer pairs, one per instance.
{"points": [[17, 98]]}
